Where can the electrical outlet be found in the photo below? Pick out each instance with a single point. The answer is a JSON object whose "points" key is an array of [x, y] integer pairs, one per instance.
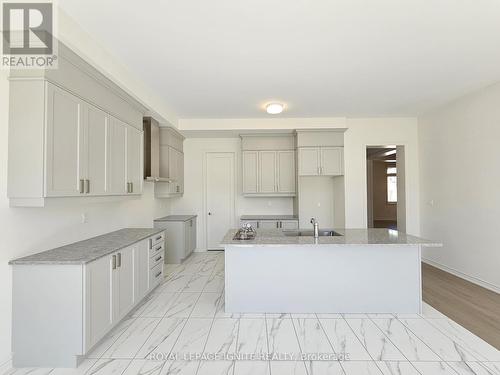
{"points": [[85, 218]]}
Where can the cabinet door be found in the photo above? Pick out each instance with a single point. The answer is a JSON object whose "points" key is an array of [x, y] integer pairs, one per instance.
{"points": [[180, 171], [96, 138], [309, 161], [289, 225], [65, 164], [250, 163], [267, 171], [268, 224], [117, 157], [286, 171], [142, 269], [98, 294], [332, 161], [125, 267], [134, 160], [187, 239]]}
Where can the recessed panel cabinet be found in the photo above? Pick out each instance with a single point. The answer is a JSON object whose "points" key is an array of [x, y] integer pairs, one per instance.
{"points": [[321, 161], [63, 146], [269, 173]]}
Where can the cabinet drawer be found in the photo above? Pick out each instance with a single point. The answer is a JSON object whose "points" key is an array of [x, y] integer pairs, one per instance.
{"points": [[157, 249], [156, 275], [160, 237], [157, 259]]}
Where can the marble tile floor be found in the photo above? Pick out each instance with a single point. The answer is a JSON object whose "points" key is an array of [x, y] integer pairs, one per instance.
{"points": [[185, 316]]}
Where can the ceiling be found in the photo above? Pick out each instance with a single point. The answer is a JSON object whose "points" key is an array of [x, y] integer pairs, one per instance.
{"points": [[227, 58]]}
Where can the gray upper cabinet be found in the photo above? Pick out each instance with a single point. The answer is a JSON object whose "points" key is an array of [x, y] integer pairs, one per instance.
{"points": [[268, 169], [171, 164], [72, 133], [321, 161]]}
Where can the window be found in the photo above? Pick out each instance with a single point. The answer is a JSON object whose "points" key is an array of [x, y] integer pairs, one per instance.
{"points": [[392, 185]]}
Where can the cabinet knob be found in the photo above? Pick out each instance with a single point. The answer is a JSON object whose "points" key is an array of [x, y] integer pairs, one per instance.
{"points": [[209, 214]]}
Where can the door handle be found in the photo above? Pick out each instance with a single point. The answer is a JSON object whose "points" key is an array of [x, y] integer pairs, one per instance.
{"points": [[87, 186], [113, 262], [119, 260], [82, 188]]}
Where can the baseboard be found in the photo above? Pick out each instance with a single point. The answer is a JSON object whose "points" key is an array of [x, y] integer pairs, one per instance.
{"points": [[472, 279]]}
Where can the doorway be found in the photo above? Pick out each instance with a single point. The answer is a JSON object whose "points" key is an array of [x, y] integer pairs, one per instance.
{"points": [[219, 196], [385, 176]]}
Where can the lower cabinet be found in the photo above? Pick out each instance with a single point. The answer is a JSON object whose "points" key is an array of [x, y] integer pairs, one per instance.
{"points": [[116, 283], [180, 239]]}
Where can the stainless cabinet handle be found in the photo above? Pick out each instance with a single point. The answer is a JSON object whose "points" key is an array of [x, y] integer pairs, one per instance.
{"points": [[82, 189], [131, 187], [157, 259], [158, 248], [119, 260], [158, 238], [277, 224], [114, 262], [87, 186], [258, 224], [158, 274]]}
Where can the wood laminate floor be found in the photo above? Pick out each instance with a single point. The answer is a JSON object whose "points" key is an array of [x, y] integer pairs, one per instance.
{"points": [[472, 306]]}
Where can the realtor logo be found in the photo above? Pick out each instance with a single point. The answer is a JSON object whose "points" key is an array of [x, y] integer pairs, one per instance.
{"points": [[28, 35]]}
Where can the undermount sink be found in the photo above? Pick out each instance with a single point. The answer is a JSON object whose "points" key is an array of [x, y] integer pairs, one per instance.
{"points": [[310, 233]]}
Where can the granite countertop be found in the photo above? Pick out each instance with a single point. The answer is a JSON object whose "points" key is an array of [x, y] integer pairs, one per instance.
{"points": [[176, 218], [276, 237], [89, 250], [269, 217]]}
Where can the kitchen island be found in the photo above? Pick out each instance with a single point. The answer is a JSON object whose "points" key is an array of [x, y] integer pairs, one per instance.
{"points": [[357, 271]]}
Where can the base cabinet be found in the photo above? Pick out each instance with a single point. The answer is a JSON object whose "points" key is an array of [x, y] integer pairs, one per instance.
{"points": [[180, 239], [68, 309]]}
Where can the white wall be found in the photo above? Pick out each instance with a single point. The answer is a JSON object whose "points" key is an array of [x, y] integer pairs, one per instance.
{"points": [[379, 132], [460, 174], [193, 199]]}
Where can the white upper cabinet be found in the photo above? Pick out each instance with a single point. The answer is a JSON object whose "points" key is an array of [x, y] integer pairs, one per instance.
{"points": [[68, 134], [321, 161], [65, 144], [117, 157], [267, 172], [268, 163], [285, 163], [134, 161], [332, 161], [250, 167]]}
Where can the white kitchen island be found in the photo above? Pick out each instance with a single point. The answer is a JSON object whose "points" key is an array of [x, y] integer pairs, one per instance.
{"points": [[361, 271]]}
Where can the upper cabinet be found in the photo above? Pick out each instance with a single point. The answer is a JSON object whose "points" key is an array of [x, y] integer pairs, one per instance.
{"points": [[320, 152], [268, 165], [321, 161], [171, 164], [72, 133]]}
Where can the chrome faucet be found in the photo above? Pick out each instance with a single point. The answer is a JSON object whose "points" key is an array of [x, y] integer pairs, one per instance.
{"points": [[316, 227]]}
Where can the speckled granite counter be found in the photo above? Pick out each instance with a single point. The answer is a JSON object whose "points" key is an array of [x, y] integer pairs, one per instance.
{"points": [[176, 218], [370, 236], [89, 250], [269, 217]]}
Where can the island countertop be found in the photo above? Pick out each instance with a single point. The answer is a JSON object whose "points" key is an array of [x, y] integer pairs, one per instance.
{"points": [[366, 236], [89, 250]]}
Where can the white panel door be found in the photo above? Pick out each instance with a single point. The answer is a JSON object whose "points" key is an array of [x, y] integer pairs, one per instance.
{"points": [[98, 314], [117, 157], [332, 161], [309, 161], [220, 196], [134, 160], [96, 138], [125, 267], [267, 171], [250, 166], [65, 162], [286, 171]]}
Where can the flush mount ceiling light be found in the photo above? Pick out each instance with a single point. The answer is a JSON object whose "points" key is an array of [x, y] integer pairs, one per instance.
{"points": [[274, 108]]}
